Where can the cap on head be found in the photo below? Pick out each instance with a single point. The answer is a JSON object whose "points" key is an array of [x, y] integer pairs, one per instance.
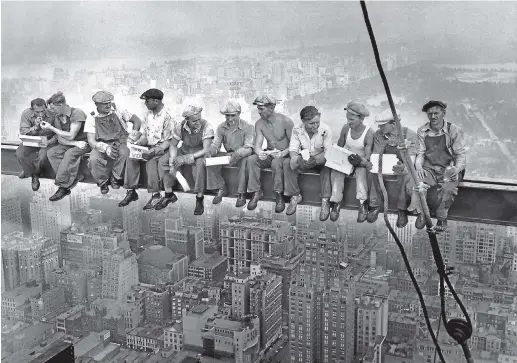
{"points": [[385, 117], [264, 100], [231, 108], [191, 110], [57, 98], [433, 103], [102, 97], [152, 93], [357, 109]]}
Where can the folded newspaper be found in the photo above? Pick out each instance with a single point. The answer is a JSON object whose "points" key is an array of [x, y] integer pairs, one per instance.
{"points": [[218, 160], [337, 159], [33, 141], [135, 151]]}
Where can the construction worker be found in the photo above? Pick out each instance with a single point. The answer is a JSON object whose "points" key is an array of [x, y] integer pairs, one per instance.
{"points": [[316, 138], [156, 130], [357, 138], [107, 131], [66, 157], [196, 135], [387, 138], [238, 138], [441, 161], [276, 129], [31, 158]]}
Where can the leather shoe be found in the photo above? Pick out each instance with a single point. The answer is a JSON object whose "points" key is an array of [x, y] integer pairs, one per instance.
{"points": [[280, 203], [325, 209], [35, 183], [252, 204], [441, 225], [104, 187], [293, 204], [220, 194], [165, 201], [131, 196], [373, 214], [362, 213], [114, 183], [152, 202], [60, 194], [21, 175], [334, 213], [402, 218], [420, 221], [200, 208], [241, 201]]}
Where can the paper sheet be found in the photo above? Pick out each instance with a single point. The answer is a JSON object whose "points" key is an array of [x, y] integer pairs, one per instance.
{"points": [[32, 141], [135, 151], [218, 160], [388, 162], [183, 182], [337, 159]]}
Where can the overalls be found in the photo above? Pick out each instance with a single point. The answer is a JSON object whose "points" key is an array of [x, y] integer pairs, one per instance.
{"points": [[109, 130]]}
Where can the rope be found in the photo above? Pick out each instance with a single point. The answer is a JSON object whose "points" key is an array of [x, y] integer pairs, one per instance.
{"points": [[444, 278]]}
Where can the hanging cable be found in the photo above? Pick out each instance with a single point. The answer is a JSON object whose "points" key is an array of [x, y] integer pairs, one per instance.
{"points": [[459, 329]]}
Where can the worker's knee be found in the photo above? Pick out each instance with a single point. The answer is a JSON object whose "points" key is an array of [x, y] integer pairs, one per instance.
{"points": [[278, 164]]}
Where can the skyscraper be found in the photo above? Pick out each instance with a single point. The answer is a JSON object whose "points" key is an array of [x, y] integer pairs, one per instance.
{"points": [[119, 274]]}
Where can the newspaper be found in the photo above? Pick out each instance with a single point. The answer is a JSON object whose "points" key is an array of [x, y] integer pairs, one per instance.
{"points": [[135, 151], [337, 159], [33, 141], [218, 160], [388, 162]]}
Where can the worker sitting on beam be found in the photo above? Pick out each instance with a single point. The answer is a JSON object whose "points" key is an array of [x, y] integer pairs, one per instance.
{"points": [[387, 138], [238, 138], [441, 161], [196, 135], [309, 142], [66, 157], [156, 134], [31, 158], [107, 131]]}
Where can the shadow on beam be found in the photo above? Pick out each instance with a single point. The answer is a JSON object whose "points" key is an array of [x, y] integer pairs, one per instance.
{"points": [[481, 201]]}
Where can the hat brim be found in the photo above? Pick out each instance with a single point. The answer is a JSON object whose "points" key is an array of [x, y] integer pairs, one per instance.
{"points": [[353, 112], [230, 113], [103, 102], [384, 122]]}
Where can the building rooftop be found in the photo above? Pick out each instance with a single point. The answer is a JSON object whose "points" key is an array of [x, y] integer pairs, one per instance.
{"points": [[158, 256], [148, 331], [199, 309], [76, 309], [86, 344], [209, 261], [22, 293]]}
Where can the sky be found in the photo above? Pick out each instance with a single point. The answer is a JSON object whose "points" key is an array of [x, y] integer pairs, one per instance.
{"points": [[36, 32]]}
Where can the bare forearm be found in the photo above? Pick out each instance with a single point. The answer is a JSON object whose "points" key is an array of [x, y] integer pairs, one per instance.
{"points": [[65, 142]]}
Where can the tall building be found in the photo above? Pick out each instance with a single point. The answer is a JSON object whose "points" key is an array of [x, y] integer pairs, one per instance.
{"points": [[209, 222], [241, 295], [11, 215], [246, 240], [372, 321], [159, 265], [128, 218], [48, 302], [305, 215], [157, 305], [184, 239], [303, 346], [119, 274]]}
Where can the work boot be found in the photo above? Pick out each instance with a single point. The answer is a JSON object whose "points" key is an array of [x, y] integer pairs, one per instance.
{"points": [[402, 218], [164, 202], [363, 212], [420, 221], [441, 225], [220, 194], [114, 183], [241, 200], [252, 204], [131, 195], [373, 214], [291, 208], [325, 209], [280, 203], [21, 175], [200, 208], [153, 201], [35, 183], [334, 213], [60, 194], [104, 187]]}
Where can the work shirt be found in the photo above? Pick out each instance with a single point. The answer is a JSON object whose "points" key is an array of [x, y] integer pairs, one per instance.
{"points": [[181, 130], [454, 141], [390, 141], [319, 143], [158, 128], [234, 138], [274, 131], [123, 115], [63, 122], [28, 123]]}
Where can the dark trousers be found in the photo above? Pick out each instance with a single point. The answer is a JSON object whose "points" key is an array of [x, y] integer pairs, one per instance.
{"points": [[31, 159], [404, 190], [154, 174], [198, 172], [65, 161], [214, 178], [102, 166], [254, 167], [291, 179]]}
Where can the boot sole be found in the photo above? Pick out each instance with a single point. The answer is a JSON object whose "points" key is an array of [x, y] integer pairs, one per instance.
{"points": [[55, 200]]}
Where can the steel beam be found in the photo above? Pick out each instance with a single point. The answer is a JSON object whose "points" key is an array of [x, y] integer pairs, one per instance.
{"points": [[481, 201]]}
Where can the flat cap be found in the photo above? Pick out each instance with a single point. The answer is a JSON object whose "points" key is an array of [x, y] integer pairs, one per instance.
{"points": [[264, 100], [152, 93], [384, 117], [191, 110], [102, 97], [357, 109], [433, 103], [231, 108]]}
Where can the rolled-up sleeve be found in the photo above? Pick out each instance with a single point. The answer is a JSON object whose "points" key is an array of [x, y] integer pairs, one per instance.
{"points": [[218, 141], [420, 146], [459, 148], [208, 133], [294, 143], [413, 139], [26, 126], [176, 132], [89, 125], [168, 128]]}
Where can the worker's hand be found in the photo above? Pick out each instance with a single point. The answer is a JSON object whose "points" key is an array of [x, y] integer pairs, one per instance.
{"points": [[234, 159], [420, 172], [294, 162], [148, 155], [37, 122], [355, 160], [44, 143], [450, 173], [262, 155], [134, 136], [367, 164], [208, 154], [399, 168], [179, 161], [45, 125], [309, 164], [275, 154], [81, 144], [112, 152]]}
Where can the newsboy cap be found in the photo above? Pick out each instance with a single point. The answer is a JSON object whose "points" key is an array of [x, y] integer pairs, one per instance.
{"points": [[264, 100], [102, 97], [384, 117], [191, 110], [433, 103], [231, 108], [357, 109], [152, 93]]}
